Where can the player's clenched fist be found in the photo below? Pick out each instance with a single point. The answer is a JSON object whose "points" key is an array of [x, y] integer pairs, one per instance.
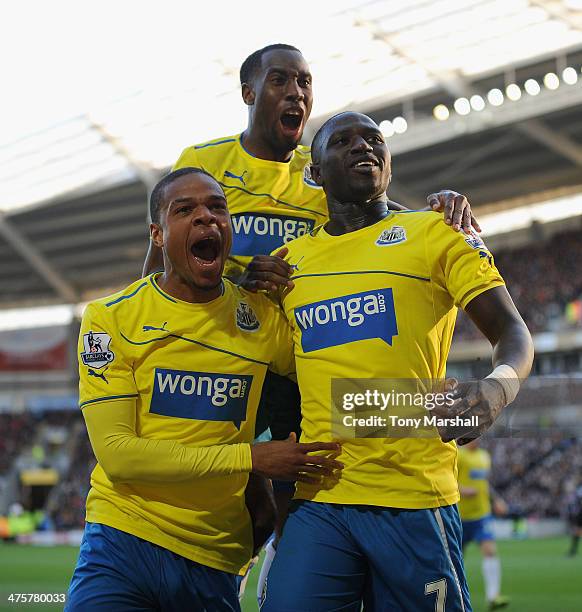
{"points": [[484, 399], [288, 460]]}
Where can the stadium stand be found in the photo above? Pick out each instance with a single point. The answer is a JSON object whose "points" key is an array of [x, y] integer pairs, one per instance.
{"points": [[544, 281], [535, 476], [17, 430]]}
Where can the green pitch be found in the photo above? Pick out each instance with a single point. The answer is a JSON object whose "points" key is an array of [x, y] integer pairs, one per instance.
{"points": [[536, 575]]}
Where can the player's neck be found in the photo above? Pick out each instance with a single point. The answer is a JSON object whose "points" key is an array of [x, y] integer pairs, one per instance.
{"points": [[258, 146], [185, 291], [345, 217]]}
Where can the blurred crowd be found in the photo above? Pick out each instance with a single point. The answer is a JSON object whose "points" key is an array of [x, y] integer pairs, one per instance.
{"points": [[545, 283], [66, 507], [17, 429], [536, 476]]}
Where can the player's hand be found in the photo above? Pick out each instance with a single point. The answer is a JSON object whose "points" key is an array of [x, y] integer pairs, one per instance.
{"points": [[268, 273], [260, 503], [288, 460], [456, 208], [484, 399]]}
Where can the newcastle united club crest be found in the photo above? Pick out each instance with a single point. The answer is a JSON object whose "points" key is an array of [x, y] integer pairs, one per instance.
{"points": [[246, 318]]}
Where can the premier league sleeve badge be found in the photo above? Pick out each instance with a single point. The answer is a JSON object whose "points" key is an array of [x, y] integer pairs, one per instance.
{"points": [[96, 352]]}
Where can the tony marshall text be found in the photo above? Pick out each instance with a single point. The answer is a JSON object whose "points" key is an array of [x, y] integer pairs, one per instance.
{"points": [[428, 420]]}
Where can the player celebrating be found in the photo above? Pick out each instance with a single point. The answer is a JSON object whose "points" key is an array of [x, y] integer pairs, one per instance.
{"points": [[265, 172], [169, 398], [374, 297], [474, 465]]}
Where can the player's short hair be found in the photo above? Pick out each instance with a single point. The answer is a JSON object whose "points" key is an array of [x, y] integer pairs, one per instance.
{"points": [[321, 132], [158, 192], [252, 64]]}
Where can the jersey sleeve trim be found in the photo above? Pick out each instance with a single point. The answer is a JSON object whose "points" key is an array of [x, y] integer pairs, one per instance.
{"points": [[107, 399], [477, 289]]}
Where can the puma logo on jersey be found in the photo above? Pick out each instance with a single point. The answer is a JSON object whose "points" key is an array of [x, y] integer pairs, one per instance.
{"points": [[154, 328], [100, 375], [240, 178]]}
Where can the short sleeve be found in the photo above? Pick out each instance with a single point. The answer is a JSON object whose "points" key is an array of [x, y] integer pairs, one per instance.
{"points": [[460, 263], [188, 159], [105, 373]]}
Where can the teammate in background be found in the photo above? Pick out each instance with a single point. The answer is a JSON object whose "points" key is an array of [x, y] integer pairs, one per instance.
{"points": [[170, 400], [265, 172], [575, 519], [474, 465], [375, 295]]}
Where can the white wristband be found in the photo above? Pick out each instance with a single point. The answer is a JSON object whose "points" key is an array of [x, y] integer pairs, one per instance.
{"points": [[508, 379]]}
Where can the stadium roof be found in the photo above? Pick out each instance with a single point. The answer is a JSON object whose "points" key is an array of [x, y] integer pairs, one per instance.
{"points": [[103, 104], [363, 54]]}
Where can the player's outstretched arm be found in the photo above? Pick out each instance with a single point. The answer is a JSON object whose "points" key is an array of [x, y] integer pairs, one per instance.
{"points": [[126, 457], [495, 314]]}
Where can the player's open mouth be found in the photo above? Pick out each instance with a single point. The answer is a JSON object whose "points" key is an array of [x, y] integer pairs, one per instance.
{"points": [[365, 165], [207, 250], [291, 120]]}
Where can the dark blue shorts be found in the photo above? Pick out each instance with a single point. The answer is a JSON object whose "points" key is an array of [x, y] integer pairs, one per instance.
{"points": [[478, 530], [118, 572], [334, 557]]}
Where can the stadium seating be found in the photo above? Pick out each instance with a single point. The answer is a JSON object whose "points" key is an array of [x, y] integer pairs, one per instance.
{"points": [[544, 281]]}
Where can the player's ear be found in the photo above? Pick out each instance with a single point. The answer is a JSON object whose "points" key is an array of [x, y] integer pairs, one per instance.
{"points": [[157, 234], [316, 174], [248, 94]]}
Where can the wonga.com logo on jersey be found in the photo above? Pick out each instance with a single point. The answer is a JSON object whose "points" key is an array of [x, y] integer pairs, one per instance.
{"points": [[348, 318], [203, 396], [255, 233]]}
